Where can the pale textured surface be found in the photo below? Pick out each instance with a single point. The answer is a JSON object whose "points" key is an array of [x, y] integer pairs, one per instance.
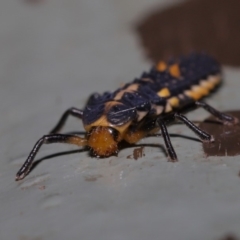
{"points": [[53, 55]]}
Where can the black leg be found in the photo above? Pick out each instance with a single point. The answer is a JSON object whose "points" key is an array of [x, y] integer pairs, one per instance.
{"points": [[52, 138], [224, 118], [71, 111], [171, 153], [205, 137]]}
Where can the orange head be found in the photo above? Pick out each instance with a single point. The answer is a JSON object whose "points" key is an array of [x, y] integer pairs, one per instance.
{"points": [[103, 141]]}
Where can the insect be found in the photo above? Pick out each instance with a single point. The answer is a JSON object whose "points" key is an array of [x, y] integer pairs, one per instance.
{"points": [[141, 108]]}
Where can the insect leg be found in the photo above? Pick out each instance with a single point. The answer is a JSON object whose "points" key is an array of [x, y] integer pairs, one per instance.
{"points": [[204, 136], [71, 111], [171, 153], [52, 138], [224, 118]]}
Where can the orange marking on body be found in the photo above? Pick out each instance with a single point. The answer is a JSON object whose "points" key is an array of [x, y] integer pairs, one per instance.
{"points": [[131, 88], [214, 79], [161, 66], [202, 90], [102, 121], [133, 137], [174, 101], [211, 82], [164, 92], [174, 70], [207, 84], [194, 95]]}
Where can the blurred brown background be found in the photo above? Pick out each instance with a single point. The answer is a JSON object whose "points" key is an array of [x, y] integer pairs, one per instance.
{"points": [[198, 25]]}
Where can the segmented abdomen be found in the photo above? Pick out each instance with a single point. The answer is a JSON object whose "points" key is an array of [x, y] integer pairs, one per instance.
{"points": [[166, 87]]}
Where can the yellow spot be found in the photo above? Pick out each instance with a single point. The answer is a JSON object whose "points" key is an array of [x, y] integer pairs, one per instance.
{"points": [[164, 93], [174, 101], [211, 82], [174, 70], [161, 66], [103, 122], [201, 90], [193, 95], [214, 79], [207, 84]]}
